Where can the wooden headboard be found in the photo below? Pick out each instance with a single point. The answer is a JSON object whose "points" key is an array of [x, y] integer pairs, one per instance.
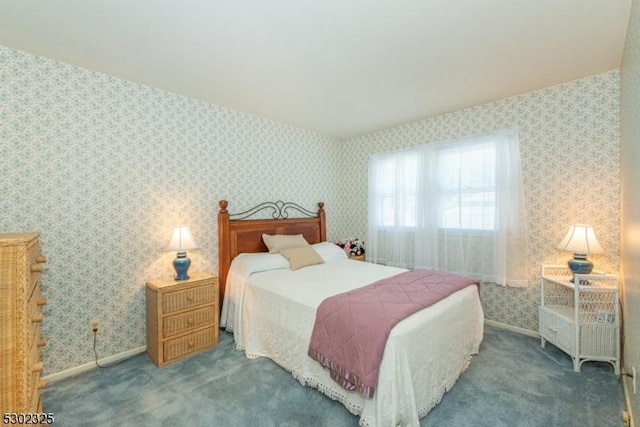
{"points": [[238, 233]]}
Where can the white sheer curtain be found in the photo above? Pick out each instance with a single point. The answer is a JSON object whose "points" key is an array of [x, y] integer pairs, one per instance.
{"points": [[454, 206]]}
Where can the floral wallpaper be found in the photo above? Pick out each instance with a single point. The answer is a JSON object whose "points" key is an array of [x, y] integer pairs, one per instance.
{"points": [[569, 143], [630, 203], [105, 168]]}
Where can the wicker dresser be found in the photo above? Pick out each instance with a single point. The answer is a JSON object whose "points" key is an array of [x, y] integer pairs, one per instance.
{"points": [[20, 319], [182, 317]]}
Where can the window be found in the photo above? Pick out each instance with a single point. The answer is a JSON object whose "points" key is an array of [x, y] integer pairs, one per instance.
{"points": [[397, 185], [467, 182], [454, 206], [466, 179]]}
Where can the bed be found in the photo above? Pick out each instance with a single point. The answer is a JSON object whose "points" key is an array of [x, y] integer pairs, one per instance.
{"points": [[271, 310]]}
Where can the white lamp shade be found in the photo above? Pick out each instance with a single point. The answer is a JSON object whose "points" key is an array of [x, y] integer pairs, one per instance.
{"points": [[182, 240], [581, 239]]}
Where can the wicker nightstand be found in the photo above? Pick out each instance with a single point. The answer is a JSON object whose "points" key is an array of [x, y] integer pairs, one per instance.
{"points": [[579, 314], [182, 317]]}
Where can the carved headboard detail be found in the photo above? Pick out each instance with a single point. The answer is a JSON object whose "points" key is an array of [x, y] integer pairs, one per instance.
{"points": [[238, 233]]}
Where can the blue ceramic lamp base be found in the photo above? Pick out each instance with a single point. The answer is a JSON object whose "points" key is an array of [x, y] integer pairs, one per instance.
{"points": [[579, 264], [182, 264]]}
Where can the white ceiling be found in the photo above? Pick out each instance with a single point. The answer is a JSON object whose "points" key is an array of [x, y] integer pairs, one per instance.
{"points": [[340, 67]]}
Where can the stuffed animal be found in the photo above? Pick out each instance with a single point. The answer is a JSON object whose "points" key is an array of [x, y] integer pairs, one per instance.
{"points": [[352, 246]]}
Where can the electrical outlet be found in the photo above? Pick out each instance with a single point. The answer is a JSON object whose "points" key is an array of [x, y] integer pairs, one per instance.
{"points": [[95, 326]]}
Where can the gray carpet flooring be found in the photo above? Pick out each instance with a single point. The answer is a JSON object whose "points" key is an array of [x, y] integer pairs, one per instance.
{"points": [[511, 382]]}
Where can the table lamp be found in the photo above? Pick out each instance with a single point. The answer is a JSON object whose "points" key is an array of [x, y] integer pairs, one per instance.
{"points": [[581, 240], [182, 241]]}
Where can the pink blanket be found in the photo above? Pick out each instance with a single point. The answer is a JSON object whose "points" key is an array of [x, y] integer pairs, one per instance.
{"points": [[351, 329]]}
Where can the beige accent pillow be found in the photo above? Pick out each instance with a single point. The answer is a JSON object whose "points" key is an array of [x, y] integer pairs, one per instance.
{"points": [[302, 256], [277, 242]]}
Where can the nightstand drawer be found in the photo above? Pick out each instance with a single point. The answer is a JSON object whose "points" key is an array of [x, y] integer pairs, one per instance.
{"points": [[547, 323], [565, 336], [557, 329], [176, 324], [192, 297], [192, 343]]}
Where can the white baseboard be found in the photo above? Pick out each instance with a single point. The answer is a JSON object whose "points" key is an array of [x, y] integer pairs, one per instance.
{"points": [[522, 331], [71, 372], [627, 398]]}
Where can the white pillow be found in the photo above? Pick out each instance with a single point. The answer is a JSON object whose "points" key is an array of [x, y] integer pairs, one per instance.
{"points": [[275, 243], [247, 263], [330, 251]]}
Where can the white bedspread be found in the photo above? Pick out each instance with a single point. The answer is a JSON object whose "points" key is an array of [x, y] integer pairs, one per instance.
{"points": [[272, 314]]}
